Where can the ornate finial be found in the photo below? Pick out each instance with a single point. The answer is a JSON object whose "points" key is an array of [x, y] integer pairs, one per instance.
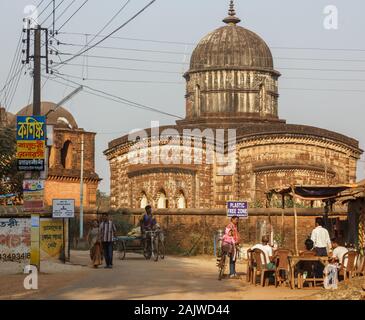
{"points": [[232, 19]]}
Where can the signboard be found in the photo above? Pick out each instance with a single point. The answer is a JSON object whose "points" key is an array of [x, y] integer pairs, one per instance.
{"points": [[237, 208], [51, 237], [30, 165], [14, 240], [33, 193], [31, 136], [63, 208]]}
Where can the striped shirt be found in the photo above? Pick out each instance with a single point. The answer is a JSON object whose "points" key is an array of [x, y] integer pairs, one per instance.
{"points": [[107, 230]]}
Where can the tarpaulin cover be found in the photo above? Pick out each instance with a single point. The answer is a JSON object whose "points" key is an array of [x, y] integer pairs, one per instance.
{"points": [[313, 192], [319, 192]]}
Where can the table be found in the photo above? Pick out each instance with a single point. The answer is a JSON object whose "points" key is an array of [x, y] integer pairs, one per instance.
{"points": [[294, 260]]}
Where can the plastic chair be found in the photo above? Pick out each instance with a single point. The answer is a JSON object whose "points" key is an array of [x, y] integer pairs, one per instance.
{"points": [[261, 267], [250, 266], [282, 265], [349, 270], [360, 270]]}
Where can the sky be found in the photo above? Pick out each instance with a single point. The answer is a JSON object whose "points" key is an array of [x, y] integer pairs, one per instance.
{"points": [[323, 70]]}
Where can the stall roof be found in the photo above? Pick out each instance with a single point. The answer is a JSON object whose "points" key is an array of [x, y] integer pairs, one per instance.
{"points": [[313, 192]]}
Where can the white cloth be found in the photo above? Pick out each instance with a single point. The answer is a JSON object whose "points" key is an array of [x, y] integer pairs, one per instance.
{"points": [[266, 249], [321, 238], [338, 253]]}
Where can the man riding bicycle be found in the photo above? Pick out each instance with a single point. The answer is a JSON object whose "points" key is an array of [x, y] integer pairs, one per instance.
{"points": [[148, 222]]}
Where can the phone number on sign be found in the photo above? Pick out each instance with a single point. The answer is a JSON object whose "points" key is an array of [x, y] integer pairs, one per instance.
{"points": [[14, 256]]}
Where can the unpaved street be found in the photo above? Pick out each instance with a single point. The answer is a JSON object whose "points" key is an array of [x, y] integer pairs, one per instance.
{"points": [[136, 278]]}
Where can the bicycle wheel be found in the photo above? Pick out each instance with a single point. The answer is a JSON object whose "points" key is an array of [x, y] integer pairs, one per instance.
{"points": [[221, 267], [161, 249], [122, 249], [155, 251]]}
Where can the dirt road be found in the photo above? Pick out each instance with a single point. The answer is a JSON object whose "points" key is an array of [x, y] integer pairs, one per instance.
{"points": [[136, 278]]}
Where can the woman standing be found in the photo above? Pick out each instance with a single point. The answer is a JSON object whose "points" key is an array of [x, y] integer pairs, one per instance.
{"points": [[95, 245], [231, 231]]}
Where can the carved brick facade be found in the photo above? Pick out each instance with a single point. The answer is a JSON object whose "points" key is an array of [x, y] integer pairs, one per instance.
{"points": [[231, 84]]}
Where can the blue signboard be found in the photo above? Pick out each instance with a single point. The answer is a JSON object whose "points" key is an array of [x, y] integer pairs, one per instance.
{"points": [[31, 128], [237, 208]]}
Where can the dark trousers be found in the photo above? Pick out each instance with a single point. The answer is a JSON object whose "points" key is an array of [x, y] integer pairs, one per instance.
{"points": [[108, 253], [319, 267], [232, 264]]}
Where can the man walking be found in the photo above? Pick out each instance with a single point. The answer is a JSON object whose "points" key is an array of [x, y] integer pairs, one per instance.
{"points": [[107, 231], [321, 239]]}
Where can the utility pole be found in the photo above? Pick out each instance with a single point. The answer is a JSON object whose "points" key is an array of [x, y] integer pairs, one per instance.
{"points": [[35, 217], [37, 72], [38, 175], [82, 189]]}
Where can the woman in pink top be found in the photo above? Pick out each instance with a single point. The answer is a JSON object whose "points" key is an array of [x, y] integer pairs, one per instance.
{"points": [[231, 237]]}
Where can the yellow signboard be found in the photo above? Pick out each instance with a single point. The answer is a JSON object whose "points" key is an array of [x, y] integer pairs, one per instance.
{"points": [[51, 234], [30, 149]]}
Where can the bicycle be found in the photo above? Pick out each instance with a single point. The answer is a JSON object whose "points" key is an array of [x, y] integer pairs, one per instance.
{"points": [[152, 246], [221, 264]]}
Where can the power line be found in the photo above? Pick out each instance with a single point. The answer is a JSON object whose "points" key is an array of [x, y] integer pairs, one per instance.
{"points": [[60, 28], [318, 89], [64, 11], [119, 58], [186, 63], [189, 53], [108, 23], [179, 73], [119, 99], [14, 74], [45, 8], [125, 49], [121, 80], [124, 69], [113, 32], [52, 12], [195, 43]]}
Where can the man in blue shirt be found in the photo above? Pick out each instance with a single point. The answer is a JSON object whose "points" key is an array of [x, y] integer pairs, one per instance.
{"points": [[147, 224], [148, 220]]}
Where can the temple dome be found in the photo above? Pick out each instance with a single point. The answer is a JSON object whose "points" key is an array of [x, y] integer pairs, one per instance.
{"points": [[234, 47], [60, 118], [231, 47]]}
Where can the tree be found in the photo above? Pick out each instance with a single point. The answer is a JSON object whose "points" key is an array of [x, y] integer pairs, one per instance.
{"points": [[11, 180], [102, 200]]}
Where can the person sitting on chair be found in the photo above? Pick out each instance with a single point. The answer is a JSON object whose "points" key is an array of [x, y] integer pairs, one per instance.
{"points": [[338, 252], [267, 249]]}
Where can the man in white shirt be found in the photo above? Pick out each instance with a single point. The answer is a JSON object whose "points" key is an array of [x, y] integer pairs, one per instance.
{"points": [[338, 252], [267, 249], [321, 239]]}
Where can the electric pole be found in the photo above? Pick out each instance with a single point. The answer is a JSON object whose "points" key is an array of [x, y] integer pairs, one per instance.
{"points": [[37, 72], [36, 111]]}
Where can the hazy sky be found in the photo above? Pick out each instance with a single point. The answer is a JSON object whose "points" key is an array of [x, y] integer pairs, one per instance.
{"points": [[293, 29]]}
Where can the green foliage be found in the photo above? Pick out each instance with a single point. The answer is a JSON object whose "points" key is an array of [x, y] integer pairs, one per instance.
{"points": [[102, 199], [280, 240], [10, 179], [257, 204]]}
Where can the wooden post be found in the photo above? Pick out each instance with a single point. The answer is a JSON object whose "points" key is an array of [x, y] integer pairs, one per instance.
{"points": [[295, 223], [282, 215]]}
